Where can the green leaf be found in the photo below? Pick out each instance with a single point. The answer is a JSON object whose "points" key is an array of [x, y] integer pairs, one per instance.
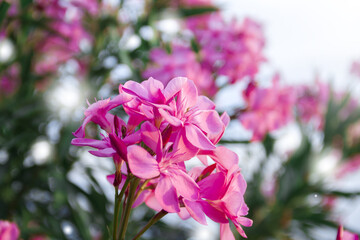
{"points": [[4, 6], [295, 173], [268, 143], [25, 3], [188, 12]]}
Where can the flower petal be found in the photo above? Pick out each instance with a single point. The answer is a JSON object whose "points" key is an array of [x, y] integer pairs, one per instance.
{"points": [[170, 119], [99, 144], [225, 232], [184, 184], [141, 163], [151, 136], [208, 184], [197, 138], [208, 121], [195, 210], [165, 193], [187, 92], [106, 152], [213, 213]]}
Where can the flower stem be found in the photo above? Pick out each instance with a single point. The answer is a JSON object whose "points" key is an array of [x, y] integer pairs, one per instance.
{"points": [[130, 200], [143, 186], [116, 213], [118, 198], [152, 221]]}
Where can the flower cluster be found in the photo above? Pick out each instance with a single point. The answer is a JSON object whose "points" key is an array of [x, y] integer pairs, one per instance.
{"points": [[267, 108], [167, 127], [230, 49], [225, 49], [182, 61], [9, 81], [312, 102], [9, 230], [63, 40]]}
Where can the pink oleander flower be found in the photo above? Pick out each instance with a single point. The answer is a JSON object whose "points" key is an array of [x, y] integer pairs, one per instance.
{"points": [[345, 235], [193, 117], [195, 3], [311, 103], [51, 8], [9, 81], [62, 42], [267, 109], [351, 165], [182, 61], [9, 230], [56, 50], [168, 126], [230, 49], [355, 68], [224, 204]]}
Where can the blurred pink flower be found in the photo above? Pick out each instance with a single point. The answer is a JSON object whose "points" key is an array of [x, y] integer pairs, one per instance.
{"points": [[9, 81], [345, 235], [230, 49], [311, 104], [267, 109], [351, 165], [56, 50], [9, 230], [194, 3], [182, 61], [355, 68]]}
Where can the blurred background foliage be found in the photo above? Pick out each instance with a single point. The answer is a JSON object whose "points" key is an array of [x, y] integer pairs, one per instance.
{"points": [[55, 54]]}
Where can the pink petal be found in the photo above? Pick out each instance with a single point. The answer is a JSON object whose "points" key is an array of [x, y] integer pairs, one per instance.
{"points": [[195, 211], [107, 152], [223, 156], [225, 118], [246, 222], [187, 92], [204, 103], [184, 184], [225, 232], [185, 150], [165, 193], [170, 119], [141, 163], [111, 178], [213, 213], [153, 203], [184, 214], [208, 184], [155, 89], [100, 144], [151, 136], [135, 88], [119, 146], [197, 138], [208, 121]]}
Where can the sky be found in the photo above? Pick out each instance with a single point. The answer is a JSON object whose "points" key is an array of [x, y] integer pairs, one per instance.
{"points": [[304, 37]]}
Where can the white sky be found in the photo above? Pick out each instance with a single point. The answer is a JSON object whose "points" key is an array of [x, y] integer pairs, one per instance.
{"points": [[305, 37]]}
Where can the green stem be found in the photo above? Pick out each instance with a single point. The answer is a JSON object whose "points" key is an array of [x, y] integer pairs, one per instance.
{"points": [[124, 223], [152, 221], [116, 212], [143, 186], [118, 198], [118, 202]]}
